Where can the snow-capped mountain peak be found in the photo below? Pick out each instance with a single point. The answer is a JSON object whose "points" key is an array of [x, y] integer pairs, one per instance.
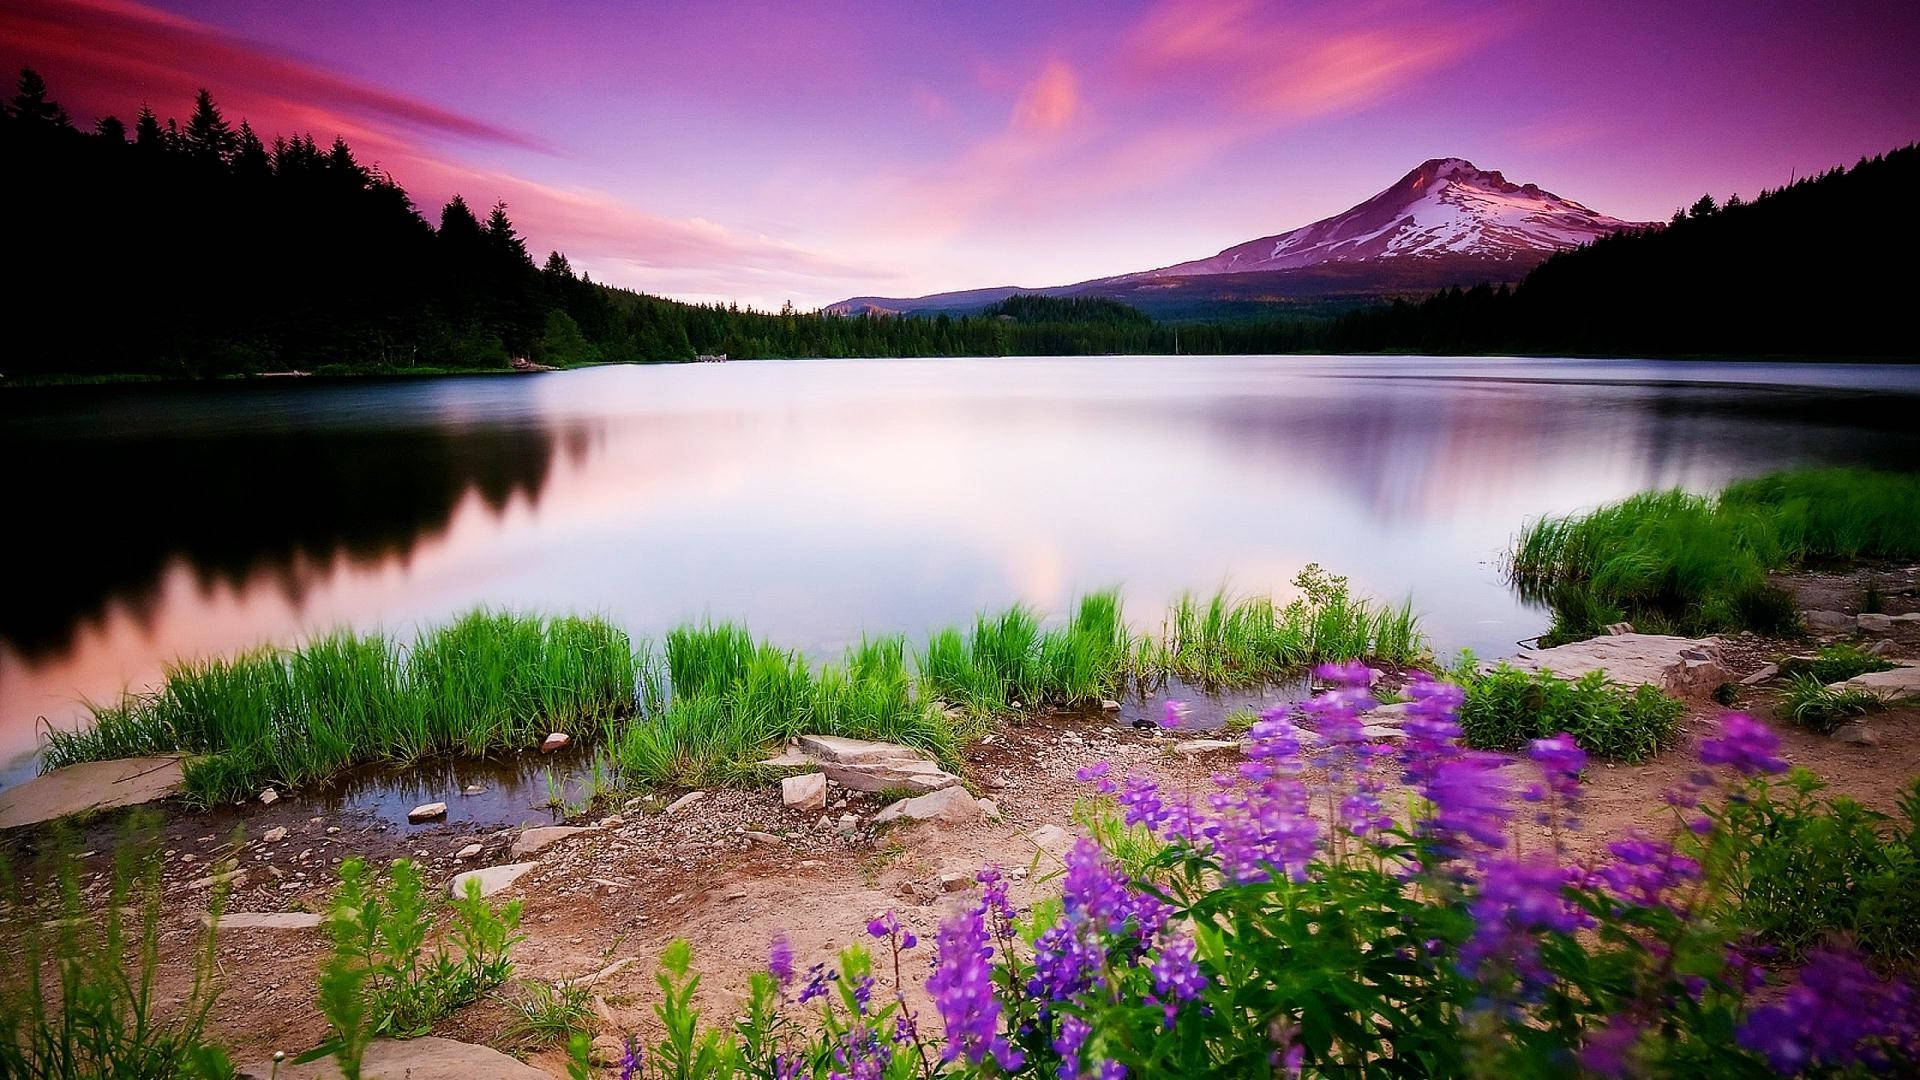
{"points": [[1444, 207]]}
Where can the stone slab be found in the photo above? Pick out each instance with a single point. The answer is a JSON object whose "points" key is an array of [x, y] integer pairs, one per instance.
{"points": [[535, 840], [948, 804], [492, 879], [1683, 667], [425, 1058], [92, 785], [1891, 685]]}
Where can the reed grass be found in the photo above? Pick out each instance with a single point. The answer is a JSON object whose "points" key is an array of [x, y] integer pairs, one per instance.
{"points": [[485, 683], [1673, 561]]}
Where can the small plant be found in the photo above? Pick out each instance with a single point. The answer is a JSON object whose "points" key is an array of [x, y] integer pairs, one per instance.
{"points": [[383, 978], [98, 1017], [1872, 602], [1843, 660], [1824, 709], [546, 1012], [1506, 708]]}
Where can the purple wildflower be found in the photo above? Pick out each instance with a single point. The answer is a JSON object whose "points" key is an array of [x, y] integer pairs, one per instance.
{"points": [[1096, 774], [1836, 1014], [1112, 1070], [1073, 1036], [1744, 744], [818, 976], [780, 960], [1173, 714], [1609, 1050], [1176, 971], [630, 1059], [1469, 796], [962, 989], [1519, 900], [1646, 872]]}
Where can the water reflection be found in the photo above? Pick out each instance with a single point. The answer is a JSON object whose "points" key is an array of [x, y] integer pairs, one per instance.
{"points": [[820, 500]]}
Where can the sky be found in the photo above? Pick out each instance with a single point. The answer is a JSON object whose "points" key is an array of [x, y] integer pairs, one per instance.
{"points": [[806, 152]]}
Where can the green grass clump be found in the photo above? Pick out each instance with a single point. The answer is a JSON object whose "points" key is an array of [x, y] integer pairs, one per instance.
{"points": [[487, 682], [1824, 709], [1229, 641], [1843, 660], [1673, 561], [1505, 708]]}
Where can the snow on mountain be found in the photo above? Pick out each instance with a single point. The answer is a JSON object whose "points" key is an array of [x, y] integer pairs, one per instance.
{"points": [[1447, 206]]}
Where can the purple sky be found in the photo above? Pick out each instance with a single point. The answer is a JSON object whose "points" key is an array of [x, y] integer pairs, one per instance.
{"points": [[811, 151]]}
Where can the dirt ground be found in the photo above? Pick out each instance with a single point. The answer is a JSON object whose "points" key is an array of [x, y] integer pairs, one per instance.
{"points": [[609, 901]]}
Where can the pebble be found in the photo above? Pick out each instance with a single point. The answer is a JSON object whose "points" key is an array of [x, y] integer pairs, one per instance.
{"points": [[274, 835]]}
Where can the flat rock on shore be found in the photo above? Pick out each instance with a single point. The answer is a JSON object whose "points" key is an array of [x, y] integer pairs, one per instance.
{"points": [[426, 1058], [92, 785], [1683, 667]]}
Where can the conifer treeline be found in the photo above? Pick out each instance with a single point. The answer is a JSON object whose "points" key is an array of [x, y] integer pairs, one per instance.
{"points": [[202, 249]]}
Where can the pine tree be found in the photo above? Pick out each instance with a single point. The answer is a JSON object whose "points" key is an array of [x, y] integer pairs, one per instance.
{"points": [[208, 136], [30, 104], [250, 159], [146, 129], [501, 234], [111, 129]]}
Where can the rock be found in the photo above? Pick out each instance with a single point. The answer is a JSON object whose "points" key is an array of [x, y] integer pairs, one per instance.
{"points": [[274, 835], [268, 797], [557, 740], [736, 894], [1195, 747], [1875, 623], [1658, 660], [1619, 629], [908, 891], [492, 879], [1891, 685], [1758, 677], [766, 838], [684, 801], [224, 875], [538, 839], [955, 881], [951, 804], [267, 920], [473, 789], [425, 1058], [1381, 733], [845, 751], [790, 758], [911, 774], [1856, 734], [1879, 648], [807, 791], [471, 851], [604, 973], [996, 782], [1828, 620], [606, 1051], [847, 825], [990, 809], [1110, 705], [1909, 617], [91, 785], [427, 812], [1052, 839]]}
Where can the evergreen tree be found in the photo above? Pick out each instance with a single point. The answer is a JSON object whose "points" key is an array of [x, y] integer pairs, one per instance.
{"points": [[208, 137], [111, 129], [501, 234], [146, 129], [31, 106]]}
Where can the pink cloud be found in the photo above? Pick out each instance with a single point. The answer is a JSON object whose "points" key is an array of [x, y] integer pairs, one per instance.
{"points": [[1049, 103]]}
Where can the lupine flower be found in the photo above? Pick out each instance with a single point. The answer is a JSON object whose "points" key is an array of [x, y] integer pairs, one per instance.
{"points": [[1173, 714], [630, 1059], [1646, 872], [1744, 744], [1518, 900], [1608, 1051], [1469, 796], [1176, 971], [1836, 1014], [780, 960], [962, 989], [1096, 774], [993, 895], [1073, 1036], [1112, 1070], [1561, 761], [818, 976]]}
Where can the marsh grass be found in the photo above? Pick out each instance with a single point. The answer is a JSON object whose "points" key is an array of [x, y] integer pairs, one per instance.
{"points": [[1824, 709], [1670, 561], [488, 682]]}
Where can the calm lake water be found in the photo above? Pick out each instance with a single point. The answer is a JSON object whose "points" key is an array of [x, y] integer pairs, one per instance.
{"points": [[817, 500]]}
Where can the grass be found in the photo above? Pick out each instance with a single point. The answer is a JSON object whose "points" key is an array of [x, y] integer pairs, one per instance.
{"points": [[1843, 660], [485, 683], [711, 707], [545, 1013], [1506, 707], [1824, 709], [1673, 561]]}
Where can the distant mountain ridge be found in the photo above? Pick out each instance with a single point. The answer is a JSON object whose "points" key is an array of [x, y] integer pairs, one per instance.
{"points": [[1446, 222]]}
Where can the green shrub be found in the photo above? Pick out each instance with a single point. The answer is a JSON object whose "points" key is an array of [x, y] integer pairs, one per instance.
{"points": [[1799, 867], [1505, 708], [544, 1013], [1843, 660]]}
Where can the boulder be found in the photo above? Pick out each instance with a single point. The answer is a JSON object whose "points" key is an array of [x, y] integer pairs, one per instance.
{"points": [[557, 740], [492, 879], [1890, 685], [535, 840], [274, 835], [1856, 734], [1051, 839], [911, 774], [807, 791], [951, 804], [1875, 623], [684, 801], [1382, 733], [845, 751], [471, 851], [427, 812], [790, 758], [425, 1058], [91, 785], [1766, 672], [1683, 667], [1830, 621], [989, 809]]}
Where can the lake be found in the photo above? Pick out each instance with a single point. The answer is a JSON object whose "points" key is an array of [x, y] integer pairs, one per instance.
{"points": [[816, 500]]}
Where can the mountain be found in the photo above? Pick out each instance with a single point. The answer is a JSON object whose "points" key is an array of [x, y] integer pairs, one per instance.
{"points": [[1447, 222]]}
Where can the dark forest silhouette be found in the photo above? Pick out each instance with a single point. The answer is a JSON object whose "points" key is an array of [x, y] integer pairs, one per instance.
{"points": [[200, 249]]}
